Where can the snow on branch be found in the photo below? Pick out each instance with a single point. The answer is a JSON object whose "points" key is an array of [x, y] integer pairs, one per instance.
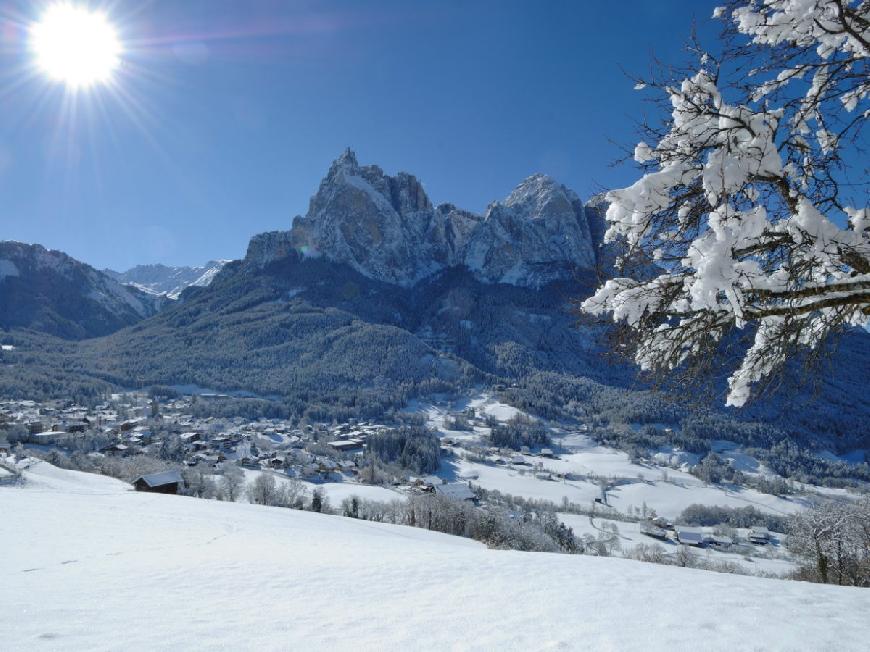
{"points": [[741, 201]]}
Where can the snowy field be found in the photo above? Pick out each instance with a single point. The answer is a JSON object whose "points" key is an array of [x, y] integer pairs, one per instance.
{"points": [[764, 559], [89, 565], [662, 488], [335, 492]]}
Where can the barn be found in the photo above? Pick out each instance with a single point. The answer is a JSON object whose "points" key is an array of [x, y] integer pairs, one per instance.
{"points": [[167, 482]]}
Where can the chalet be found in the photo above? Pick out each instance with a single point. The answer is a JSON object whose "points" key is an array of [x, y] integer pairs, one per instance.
{"points": [[346, 446], [35, 427], [167, 482], [456, 491], [662, 522], [518, 459], [718, 540], [547, 452], [651, 530], [759, 535], [690, 536], [116, 449]]}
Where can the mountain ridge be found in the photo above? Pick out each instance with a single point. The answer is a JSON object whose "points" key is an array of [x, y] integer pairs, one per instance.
{"points": [[48, 290], [386, 228]]}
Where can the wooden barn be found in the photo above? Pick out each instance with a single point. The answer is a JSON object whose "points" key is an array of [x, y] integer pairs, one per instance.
{"points": [[168, 482]]}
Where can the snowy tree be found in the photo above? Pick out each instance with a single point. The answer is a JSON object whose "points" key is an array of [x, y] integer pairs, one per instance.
{"points": [[263, 491], [835, 541], [232, 482], [747, 203]]}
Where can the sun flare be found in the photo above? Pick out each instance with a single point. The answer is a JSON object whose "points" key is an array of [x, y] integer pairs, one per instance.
{"points": [[75, 46]]}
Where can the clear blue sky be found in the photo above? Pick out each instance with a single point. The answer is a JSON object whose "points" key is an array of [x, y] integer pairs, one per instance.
{"points": [[227, 114]]}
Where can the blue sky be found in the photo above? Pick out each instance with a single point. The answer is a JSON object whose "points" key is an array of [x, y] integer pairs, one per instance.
{"points": [[226, 114]]}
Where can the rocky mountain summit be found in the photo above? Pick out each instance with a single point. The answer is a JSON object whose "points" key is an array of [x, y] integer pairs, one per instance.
{"points": [[47, 290], [386, 228]]}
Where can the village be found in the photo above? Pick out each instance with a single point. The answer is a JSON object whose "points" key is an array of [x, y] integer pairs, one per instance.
{"points": [[134, 423], [594, 489]]}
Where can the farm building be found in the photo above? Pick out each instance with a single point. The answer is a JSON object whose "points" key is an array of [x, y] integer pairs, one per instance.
{"points": [[690, 536], [346, 445], [759, 535], [168, 482], [456, 491], [651, 530]]}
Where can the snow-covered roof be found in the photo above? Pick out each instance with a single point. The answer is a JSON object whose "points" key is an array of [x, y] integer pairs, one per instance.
{"points": [[160, 479], [690, 534], [455, 490]]}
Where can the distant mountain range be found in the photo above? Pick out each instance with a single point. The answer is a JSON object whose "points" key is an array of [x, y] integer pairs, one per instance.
{"points": [[169, 281], [375, 297]]}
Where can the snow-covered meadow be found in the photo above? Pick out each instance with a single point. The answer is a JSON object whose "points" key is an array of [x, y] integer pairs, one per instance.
{"points": [[89, 564]]}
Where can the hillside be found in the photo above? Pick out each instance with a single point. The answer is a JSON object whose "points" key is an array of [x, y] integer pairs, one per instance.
{"points": [[48, 291], [92, 559]]}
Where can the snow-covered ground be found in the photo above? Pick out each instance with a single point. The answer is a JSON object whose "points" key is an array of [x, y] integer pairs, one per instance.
{"points": [[335, 492], [88, 564], [769, 560], [663, 488]]}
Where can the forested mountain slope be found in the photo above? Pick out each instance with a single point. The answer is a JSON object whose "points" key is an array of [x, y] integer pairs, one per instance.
{"points": [[48, 291]]}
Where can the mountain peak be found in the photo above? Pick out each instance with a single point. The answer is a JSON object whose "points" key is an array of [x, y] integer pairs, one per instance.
{"points": [[386, 228], [346, 162], [540, 193]]}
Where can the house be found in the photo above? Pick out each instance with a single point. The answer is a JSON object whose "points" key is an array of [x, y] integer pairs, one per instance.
{"points": [[719, 540], [167, 482], [346, 445], [547, 452], [690, 536], [662, 522], [518, 459], [759, 535], [651, 530], [456, 491]]}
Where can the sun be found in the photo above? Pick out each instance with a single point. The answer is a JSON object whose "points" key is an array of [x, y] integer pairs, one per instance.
{"points": [[75, 46]]}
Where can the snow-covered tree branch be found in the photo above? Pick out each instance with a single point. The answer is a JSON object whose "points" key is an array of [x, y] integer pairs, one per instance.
{"points": [[750, 201]]}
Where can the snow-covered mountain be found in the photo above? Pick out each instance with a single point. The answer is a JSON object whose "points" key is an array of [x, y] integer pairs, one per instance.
{"points": [[85, 554], [49, 291], [386, 228], [168, 280]]}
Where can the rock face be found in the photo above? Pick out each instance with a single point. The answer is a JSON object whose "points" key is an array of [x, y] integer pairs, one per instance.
{"points": [[166, 280], [537, 235], [51, 292], [386, 228], [266, 247]]}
